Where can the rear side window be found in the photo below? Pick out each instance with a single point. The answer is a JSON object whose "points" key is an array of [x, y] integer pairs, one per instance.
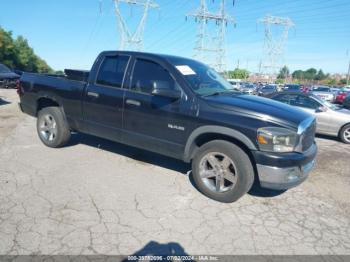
{"points": [[148, 75], [112, 71]]}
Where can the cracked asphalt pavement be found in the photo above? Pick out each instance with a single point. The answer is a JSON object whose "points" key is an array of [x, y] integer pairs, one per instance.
{"points": [[100, 197]]}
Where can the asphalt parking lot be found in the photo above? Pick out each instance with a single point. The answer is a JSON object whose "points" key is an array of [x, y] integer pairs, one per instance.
{"points": [[100, 197]]}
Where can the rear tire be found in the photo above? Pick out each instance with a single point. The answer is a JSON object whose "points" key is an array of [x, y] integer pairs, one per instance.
{"points": [[344, 134], [52, 127], [221, 162]]}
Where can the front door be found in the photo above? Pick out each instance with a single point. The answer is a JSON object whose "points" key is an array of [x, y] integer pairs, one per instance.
{"points": [[150, 121]]}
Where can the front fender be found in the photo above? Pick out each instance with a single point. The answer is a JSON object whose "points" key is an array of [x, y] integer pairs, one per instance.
{"points": [[220, 130]]}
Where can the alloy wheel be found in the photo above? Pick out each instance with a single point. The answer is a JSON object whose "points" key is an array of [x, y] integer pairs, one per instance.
{"points": [[48, 127], [218, 172]]}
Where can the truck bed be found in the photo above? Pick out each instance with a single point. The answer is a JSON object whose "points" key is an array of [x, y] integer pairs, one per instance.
{"points": [[61, 89]]}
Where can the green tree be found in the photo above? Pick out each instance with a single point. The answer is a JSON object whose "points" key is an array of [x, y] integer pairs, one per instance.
{"points": [[298, 74], [16, 53], [238, 74], [342, 81], [331, 81], [320, 75], [284, 73], [310, 74], [7, 49]]}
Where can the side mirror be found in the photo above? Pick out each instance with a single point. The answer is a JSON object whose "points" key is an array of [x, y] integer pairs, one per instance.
{"points": [[165, 92], [321, 109]]}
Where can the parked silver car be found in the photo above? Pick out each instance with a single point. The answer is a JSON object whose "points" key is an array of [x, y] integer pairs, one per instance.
{"points": [[331, 119], [324, 92], [248, 88]]}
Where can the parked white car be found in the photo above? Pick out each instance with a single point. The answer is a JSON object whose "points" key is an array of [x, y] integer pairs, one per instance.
{"points": [[236, 83], [323, 92]]}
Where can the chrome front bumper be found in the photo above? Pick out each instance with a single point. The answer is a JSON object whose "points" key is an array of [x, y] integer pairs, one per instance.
{"points": [[280, 178]]}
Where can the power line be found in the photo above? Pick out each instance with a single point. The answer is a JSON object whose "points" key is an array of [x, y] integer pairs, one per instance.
{"points": [[128, 40], [207, 42], [274, 45]]}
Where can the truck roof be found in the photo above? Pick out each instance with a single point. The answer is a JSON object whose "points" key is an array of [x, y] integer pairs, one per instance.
{"points": [[155, 55]]}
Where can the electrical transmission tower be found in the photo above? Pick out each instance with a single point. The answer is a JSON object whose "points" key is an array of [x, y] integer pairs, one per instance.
{"points": [[132, 40], [212, 44], [274, 45]]}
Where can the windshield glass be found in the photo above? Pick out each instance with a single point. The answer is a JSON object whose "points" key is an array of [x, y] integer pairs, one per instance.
{"points": [[326, 103], [321, 89], [202, 79], [4, 69], [292, 87]]}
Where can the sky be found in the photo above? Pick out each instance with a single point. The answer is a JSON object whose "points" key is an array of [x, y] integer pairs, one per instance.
{"points": [[71, 33]]}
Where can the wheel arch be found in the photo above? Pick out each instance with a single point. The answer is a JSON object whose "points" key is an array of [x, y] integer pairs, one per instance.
{"points": [[341, 128], [47, 101], [206, 134]]}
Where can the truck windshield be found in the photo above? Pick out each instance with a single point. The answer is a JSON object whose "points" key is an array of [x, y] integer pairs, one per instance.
{"points": [[202, 79]]}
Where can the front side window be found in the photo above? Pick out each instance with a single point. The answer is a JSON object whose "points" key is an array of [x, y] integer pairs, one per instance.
{"points": [[307, 102], [148, 75], [321, 89], [272, 88], [292, 87], [112, 71]]}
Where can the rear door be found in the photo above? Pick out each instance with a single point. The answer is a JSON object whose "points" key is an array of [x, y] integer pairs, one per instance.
{"points": [[103, 98]]}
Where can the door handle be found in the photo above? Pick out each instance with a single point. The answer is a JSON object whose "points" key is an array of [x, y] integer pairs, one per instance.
{"points": [[93, 94], [133, 102]]}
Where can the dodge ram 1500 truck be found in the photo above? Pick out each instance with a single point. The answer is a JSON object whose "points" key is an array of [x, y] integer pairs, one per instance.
{"points": [[180, 108]]}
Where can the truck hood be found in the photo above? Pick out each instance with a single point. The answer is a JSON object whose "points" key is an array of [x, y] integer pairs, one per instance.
{"points": [[260, 108]]}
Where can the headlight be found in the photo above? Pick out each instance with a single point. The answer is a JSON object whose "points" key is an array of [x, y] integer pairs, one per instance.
{"points": [[277, 139]]}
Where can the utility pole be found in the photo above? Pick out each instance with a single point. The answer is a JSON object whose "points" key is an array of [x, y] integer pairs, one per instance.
{"points": [[128, 40], [260, 64], [347, 77], [274, 45], [209, 43]]}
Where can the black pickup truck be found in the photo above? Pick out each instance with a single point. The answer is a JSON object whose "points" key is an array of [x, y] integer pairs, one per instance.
{"points": [[180, 108]]}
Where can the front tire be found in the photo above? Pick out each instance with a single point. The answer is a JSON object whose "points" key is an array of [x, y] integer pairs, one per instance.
{"points": [[52, 127], [222, 171], [344, 134]]}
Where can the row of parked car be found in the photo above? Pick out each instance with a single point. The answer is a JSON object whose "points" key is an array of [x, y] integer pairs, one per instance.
{"points": [[337, 95], [329, 105]]}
